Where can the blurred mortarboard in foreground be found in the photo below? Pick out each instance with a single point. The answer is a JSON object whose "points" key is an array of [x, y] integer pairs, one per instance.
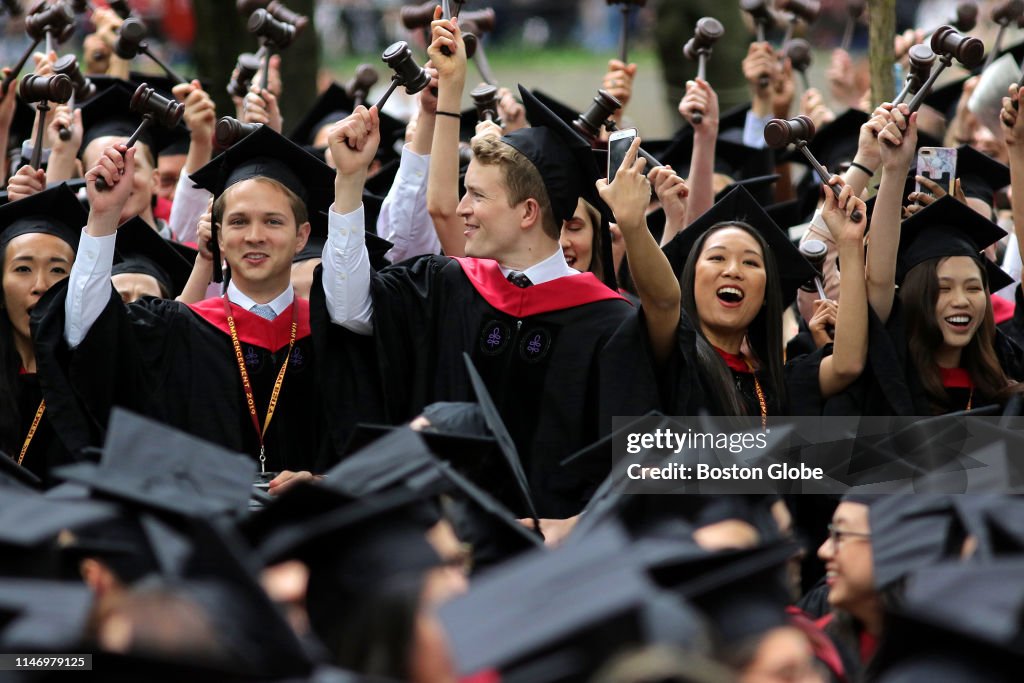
{"points": [[738, 205], [14, 475], [43, 615], [54, 212], [147, 464], [944, 228], [140, 249]]}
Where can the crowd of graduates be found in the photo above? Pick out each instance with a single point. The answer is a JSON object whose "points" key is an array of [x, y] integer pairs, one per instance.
{"points": [[334, 401]]}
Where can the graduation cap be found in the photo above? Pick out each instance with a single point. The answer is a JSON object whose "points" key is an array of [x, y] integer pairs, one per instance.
{"points": [[15, 476], [43, 615], [22, 123], [379, 184], [946, 227], [738, 205], [331, 106], [148, 464], [759, 187], [734, 159], [980, 175], [109, 114], [142, 250], [566, 113], [835, 144], [54, 212]]}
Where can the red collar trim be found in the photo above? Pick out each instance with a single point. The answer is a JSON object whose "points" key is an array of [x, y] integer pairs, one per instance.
{"points": [[272, 335], [956, 378], [1002, 309], [734, 360], [868, 646], [23, 371], [556, 295]]}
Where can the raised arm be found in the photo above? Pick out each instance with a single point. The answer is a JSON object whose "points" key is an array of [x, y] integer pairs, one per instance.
{"points": [[202, 270], [850, 350], [189, 201], [660, 296], [443, 184], [700, 96], [1012, 124], [897, 142]]}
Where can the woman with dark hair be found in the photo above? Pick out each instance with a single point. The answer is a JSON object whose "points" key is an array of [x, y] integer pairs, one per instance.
{"points": [[738, 272], [38, 239]]}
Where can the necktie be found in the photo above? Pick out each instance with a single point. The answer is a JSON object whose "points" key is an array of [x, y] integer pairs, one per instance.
{"points": [[519, 279], [263, 311]]}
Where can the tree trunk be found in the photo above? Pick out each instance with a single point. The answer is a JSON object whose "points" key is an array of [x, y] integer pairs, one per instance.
{"points": [[221, 35], [882, 15]]}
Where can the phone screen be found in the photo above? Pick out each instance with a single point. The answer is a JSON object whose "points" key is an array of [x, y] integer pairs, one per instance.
{"points": [[617, 149], [937, 164]]}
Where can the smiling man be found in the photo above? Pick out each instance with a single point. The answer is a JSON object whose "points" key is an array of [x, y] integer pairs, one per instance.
{"points": [[238, 369]]}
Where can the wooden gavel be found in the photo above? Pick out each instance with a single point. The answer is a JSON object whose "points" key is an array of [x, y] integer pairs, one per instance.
{"points": [[800, 56], [806, 10], [246, 67], [358, 87], [485, 98], [42, 90], [398, 56], [276, 9], [1011, 11], [419, 16], [854, 11], [274, 33], [966, 17], [131, 42], [120, 7], [154, 108], [229, 131], [599, 115], [921, 60], [475, 24], [815, 252], [780, 133], [84, 88], [698, 48], [625, 6], [949, 44], [43, 23], [761, 12]]}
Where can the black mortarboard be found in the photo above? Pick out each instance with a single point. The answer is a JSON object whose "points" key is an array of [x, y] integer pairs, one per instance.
{"points": [[734, 159], [835, 145], [980, 175], [14, 475], [760, 187], [732, 122], [331, 106], [110, 114], [148, 464], [268, 154], [738, 205], [944, 228], [561, 156], [54, 212], [911, 532], [787, 214], [379, 184], [43, 615], [141, 250], [566, 113], [997, 277], [21, 125]]}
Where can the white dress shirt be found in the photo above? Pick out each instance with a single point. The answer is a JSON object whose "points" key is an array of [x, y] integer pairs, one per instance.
{"points": [[404, 220], [89, 288], [189, 204], [753, 129]]}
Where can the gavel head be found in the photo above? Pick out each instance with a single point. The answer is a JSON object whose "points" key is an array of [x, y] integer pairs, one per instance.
{"points": [[485, 97], [281, 12], [228, 131], [967, 50], [247, 7], [470, 40], [1008, 12], [799, 52], [966, 17], [759, 10], [166, 112], [245, 69], [265, 26], [921, 60], [855, 8], [52, 88], [590, 122], [58, 19], [399, 58], [815, 252], [418, 16], [68, 65], [779, 133], [807, 10], [362, 80], [120, 7], [483, 20], [707, 32], [129, 38]]}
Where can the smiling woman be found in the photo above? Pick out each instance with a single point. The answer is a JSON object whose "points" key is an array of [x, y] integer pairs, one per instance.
{"points": [[38, 238]]}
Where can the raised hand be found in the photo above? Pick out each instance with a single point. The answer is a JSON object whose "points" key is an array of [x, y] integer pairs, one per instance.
{"points": [[117, 168], [812, 104], [823, 323], [446, 36], [672, 192], [898, 139], [837, 213], [700, 97], [26, 182], [353, 142], [200, 111], [511, 111], [1011, 122], [260, 106], [629, 194], [618, 81]]}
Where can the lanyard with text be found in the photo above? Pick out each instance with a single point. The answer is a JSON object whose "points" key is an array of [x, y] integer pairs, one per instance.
{"points": [[249, 398], [32, 430]]}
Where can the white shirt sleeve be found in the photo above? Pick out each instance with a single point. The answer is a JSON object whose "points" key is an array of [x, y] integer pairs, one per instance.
{"points": [[346, 272], [88, 286], [404, 220], [753, 130], [188, 205]]}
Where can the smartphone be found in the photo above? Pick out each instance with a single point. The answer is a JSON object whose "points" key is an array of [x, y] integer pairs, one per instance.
{"points": [[938, 164], [618, 145]]}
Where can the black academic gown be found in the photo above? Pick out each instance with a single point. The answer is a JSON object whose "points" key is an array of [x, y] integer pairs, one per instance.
{"points": [[176, 363], [559, 359], [45, 451]]}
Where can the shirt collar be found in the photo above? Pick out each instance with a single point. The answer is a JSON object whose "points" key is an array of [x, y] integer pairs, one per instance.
{"points": [[280, 303], [551, 268]]}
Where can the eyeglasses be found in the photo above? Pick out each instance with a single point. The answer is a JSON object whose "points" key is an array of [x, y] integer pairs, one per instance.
{"points": [[836, 535]]}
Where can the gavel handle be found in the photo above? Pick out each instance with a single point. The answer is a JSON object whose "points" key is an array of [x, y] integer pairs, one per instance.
{"points": [[915, 103], [702, 56], [49, 41], [823, 174], [789, 30], [167, 70], [446, 13], [265, 73], [821, 288], [624, 34], [851, 23], [995, 46], [37, 150], [1020, 84], [147, 121], [760, 31], [482, 65], [903, 93], [19, 66], [805, 81], [395, 82], [218, 269], [65, 133]]}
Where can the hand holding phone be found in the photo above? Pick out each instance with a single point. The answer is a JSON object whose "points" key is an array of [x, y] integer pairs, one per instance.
{"points": [[938, 164], [618, 146]]}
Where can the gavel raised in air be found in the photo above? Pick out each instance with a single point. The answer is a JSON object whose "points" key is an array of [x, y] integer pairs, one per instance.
{"points": [[229, 130], [41, 90], [780, 133], [43, 23], [921, 60], [949, 44], [131, 42], [275, 34], [625, 6], [854, 10], [815, 252], [358, 87], [84, 88], [154, 108], [1004, 14], [698, 48], [806, 10], [485, 98], [599, 115], [246, 67], [799, 53], [407, 72], [761, 12], [420, 16], [276, 9]]}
